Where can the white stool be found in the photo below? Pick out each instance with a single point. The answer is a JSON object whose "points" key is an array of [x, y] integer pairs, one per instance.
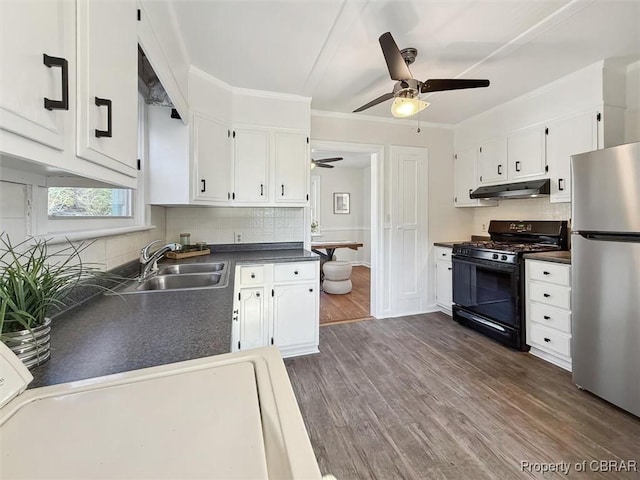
{"points": [[337, 277]]}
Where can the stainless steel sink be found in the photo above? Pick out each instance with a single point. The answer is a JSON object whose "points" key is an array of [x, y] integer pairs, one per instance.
{"points": [[181, 282], [184, 268], [182, 276]]}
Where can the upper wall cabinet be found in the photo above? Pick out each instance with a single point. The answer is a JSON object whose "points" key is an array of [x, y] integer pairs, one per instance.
{"points": [[211, 159], [492, 162], [251, 165], [526, 154], [466, 179], [68, 87], [107, 84], [37, 50], [292, 167], [568, 136]]}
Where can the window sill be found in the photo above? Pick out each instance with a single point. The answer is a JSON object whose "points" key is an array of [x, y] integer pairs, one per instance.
{"points": [[62, 237]]}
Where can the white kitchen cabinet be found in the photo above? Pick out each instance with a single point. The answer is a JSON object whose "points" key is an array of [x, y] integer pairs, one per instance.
{"points": [[565, 137], [251, 165], [548, 311], [466, 179], [526, 154], [444, 283], [252, 320], [492, 162], [291, 167], [34, 97], [107, 107], [211, 152], [287, 317]]}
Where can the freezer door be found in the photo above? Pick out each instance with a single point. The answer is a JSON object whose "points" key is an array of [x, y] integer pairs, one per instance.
{"points": [[606, 189], [605, 284]]}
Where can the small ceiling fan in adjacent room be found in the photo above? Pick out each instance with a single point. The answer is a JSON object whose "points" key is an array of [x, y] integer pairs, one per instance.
{"points": [[407, 89], [322, 162]]}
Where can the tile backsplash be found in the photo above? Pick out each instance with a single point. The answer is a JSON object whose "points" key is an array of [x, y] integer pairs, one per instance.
{"points": [[221, 225], [519, 209]]}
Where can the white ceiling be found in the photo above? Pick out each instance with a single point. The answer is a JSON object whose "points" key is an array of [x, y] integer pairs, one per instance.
{"points": [[328, 49]]}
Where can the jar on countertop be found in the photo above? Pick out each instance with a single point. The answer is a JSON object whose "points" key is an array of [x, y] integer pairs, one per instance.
{"points": [[185, 239]]}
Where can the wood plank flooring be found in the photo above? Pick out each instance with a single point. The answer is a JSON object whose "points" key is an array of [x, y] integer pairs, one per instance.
{"points": [[421, 397], [350, 306]]}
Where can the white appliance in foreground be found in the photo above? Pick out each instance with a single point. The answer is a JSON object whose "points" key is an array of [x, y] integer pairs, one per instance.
{"points": [[606, 274], [222, 417]]}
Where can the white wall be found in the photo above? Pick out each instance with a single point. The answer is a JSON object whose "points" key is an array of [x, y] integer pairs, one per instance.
{"points": [[354, 226], [218, 225], [445, 222]]}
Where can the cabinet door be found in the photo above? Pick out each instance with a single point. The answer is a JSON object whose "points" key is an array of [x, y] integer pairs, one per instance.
{"points": [[108, 84], [526, 154], [292, 167], [566, 137], [211, 150], [443, 284], [28, 31], [295, 315], [465, 172], [492, 162], [253, 327], [251, 163]]}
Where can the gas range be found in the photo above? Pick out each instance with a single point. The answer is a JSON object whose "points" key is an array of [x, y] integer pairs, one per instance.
{"points": [[500, 251], [488, 277]]}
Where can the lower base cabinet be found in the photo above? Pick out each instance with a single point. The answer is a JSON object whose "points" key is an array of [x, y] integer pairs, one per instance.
{"points": [[277, 304], [444, 284]]}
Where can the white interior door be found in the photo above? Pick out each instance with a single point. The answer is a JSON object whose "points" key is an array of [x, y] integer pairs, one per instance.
{"points": [[408, 238]]}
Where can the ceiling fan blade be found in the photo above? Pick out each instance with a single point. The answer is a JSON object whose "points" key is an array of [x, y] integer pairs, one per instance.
{"points": [[395, 63], [322, 165], [442, 84], [327, 160], [380, 99]]}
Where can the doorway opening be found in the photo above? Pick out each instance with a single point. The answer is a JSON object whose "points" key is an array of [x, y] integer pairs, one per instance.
{"points": [[343, 215]]}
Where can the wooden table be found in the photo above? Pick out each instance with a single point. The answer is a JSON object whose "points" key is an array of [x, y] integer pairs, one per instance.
{"points": [[330, 247]]}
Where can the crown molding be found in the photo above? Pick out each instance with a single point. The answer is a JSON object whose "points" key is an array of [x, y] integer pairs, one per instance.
{"points": [[272, 95], [371, 118]]}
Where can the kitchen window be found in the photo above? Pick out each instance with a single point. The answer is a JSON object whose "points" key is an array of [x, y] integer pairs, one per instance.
{"points": [[82, 202]]}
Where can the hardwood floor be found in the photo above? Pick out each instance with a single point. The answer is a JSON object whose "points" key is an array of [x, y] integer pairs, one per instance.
{"points": [[421, 397], [350, 306]]}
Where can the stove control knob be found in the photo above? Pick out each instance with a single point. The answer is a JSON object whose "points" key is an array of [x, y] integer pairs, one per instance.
{"points": [[495, 256], [504, 257]]}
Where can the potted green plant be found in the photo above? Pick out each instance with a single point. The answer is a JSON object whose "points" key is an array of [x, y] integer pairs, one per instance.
{"points": [[34, 282]]}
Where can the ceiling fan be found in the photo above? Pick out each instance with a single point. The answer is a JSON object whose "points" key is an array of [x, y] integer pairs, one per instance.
{"points": [[407, 89], [322, 162]]}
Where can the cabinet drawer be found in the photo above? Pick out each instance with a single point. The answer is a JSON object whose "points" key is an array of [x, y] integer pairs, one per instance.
{"points": [[550, 294], [549, 272], [287, 272], [443, 253], [550, 340], [548, 316], [252, 275]]}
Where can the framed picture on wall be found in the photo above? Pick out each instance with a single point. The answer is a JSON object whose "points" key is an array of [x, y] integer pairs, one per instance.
{"points": [[340, 203]]}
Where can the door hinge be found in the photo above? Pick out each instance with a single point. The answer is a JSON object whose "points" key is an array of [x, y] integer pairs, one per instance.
{"points": [[234, 134], [546, 131], [139, 164], [307, 196], [238, 295], [480, 149], [238, 344], [139, 15], [546, 168], [228, 133], [307, 139], [273, 293], [599, 117], [271, 340]]}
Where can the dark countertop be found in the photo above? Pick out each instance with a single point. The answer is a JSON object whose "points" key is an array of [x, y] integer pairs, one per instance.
{"points": [[558, 257], [112, 334], [447, 244]]}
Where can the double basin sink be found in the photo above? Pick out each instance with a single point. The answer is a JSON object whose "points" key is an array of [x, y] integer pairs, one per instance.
{"points": [[185, 276]]}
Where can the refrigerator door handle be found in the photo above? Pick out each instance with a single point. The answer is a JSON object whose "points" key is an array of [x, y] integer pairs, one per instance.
{"points": [[610, 237]]}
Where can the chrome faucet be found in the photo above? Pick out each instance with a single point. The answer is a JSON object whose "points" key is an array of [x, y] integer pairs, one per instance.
{"points": [[148, 262]]}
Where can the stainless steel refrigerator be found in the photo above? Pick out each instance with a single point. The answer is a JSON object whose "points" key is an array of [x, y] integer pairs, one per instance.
{"points": [[605, 278]]}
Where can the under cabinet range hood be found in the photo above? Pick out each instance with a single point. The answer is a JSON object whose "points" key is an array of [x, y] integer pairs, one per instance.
{"points": [[532, 188]]}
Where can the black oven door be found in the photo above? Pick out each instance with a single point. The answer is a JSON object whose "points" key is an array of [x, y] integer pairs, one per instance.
{"points": [[488, 289]]}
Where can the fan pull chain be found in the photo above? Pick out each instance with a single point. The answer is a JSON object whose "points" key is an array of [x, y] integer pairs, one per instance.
{"points": [[418, 131]]}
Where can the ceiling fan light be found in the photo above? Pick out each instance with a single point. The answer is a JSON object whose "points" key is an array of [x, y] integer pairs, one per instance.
{"points": [[405, 107]]}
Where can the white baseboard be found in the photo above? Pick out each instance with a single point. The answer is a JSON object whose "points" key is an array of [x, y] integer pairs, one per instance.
{"points": [[560, 362], [356, 263]]}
